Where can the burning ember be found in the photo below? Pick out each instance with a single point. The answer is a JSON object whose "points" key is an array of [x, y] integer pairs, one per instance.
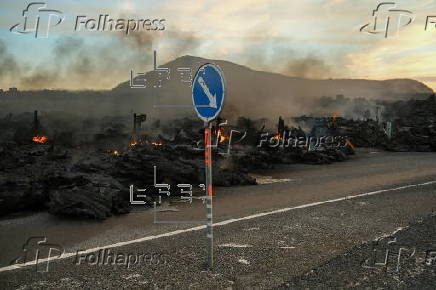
{"points": [[277, 137], [40, 139], [139, 142], [133, 143], [348, 143], [221, 135], [113, 152]]}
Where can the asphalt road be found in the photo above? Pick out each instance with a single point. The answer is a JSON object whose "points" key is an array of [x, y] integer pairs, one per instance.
{"points": [[275, 249]]}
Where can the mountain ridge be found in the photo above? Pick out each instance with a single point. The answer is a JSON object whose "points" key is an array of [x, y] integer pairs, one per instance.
{"points": [[188, 60], [261, 94]]}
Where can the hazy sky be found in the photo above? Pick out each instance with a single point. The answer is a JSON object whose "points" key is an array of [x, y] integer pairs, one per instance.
{"points": [[310, 38]]}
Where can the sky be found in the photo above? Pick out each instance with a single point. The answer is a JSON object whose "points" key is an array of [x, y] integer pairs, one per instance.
{"points": [[311, 38]]}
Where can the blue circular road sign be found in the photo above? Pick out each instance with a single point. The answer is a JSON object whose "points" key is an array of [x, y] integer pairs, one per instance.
{"points": [[208, 92]]}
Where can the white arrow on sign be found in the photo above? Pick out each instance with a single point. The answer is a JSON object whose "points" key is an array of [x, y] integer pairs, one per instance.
{"points": [[212, 98]]}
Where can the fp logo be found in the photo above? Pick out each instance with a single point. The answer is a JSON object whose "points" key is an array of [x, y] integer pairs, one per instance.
{"points": [[39, 252], [38, 20], [388, 20]]}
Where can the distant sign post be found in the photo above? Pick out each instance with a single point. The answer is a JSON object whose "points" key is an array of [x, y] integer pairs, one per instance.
{"points": [[208, 93]]}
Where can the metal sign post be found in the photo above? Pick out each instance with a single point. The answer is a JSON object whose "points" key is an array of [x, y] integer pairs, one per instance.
{"points": [[208, 167], [208, 93]]}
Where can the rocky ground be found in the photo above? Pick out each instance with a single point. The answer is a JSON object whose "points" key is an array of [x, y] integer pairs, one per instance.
{"points": [[413, 127], [70, 180], [96, 185]]}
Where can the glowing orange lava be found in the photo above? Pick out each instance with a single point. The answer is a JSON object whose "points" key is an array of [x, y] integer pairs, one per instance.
{"points": [[348, 142], [277, 137], [133, 143], [40, 139], [221, 135]]}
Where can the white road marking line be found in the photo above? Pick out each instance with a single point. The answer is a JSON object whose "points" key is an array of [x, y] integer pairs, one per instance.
{"points": [[398, 230], [321, 202], [222, 223], [266, 180], [243, 261], [252, 229], [391, 234], [233, 245]]}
